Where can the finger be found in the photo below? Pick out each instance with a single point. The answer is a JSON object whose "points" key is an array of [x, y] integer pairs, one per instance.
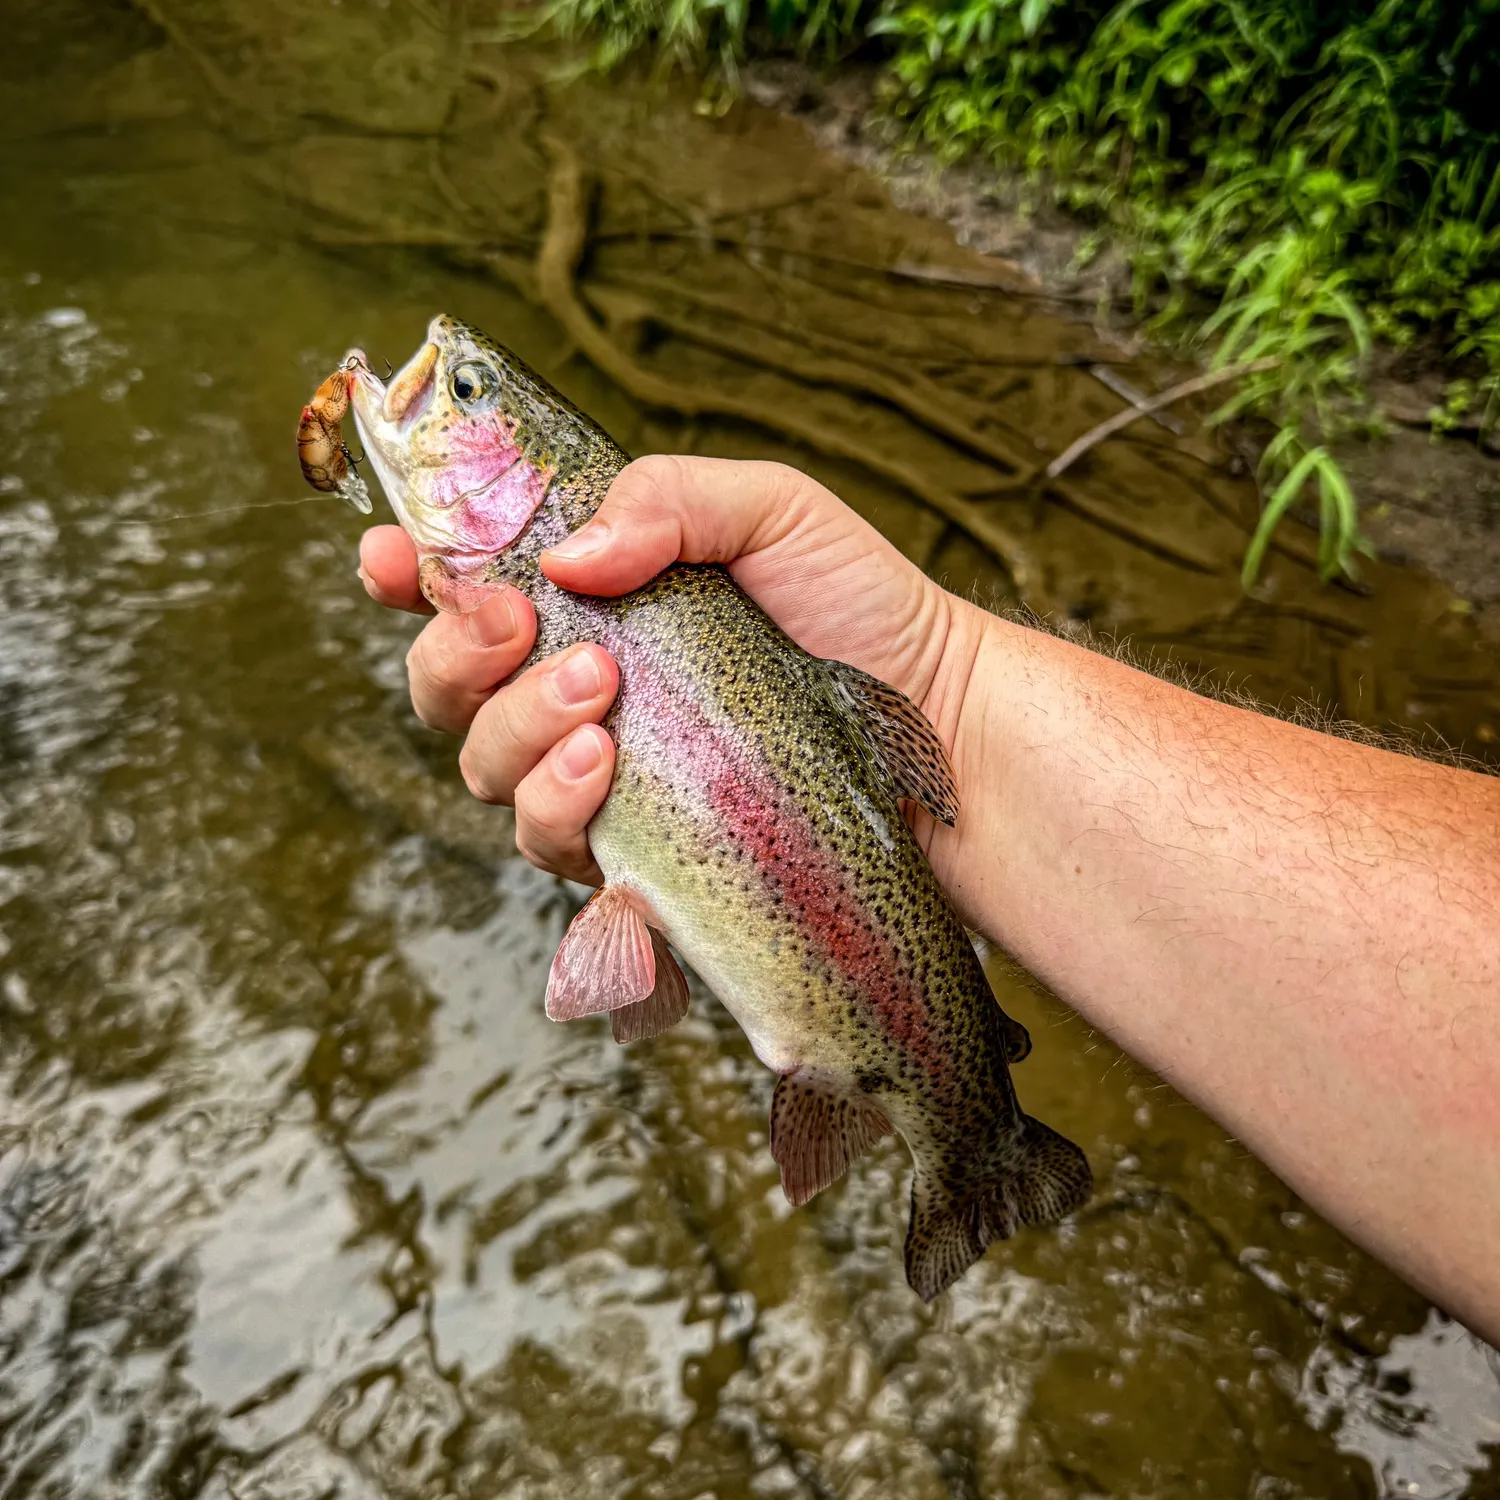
{"points": [[665, 509], [456, 663], [388, 568], [518, 726], [555, 802]]}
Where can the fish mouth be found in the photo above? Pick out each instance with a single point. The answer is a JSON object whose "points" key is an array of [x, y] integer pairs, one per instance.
{"points": [[387, 414], [410, 392], [400, 403], [395, 406], [383, 441], [366, 388]]}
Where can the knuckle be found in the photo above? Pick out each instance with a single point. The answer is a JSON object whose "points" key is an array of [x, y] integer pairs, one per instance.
{"points": [[512, 738], [470, 773], [648, 484], [524, 847], [428, 700], [445, 690], [535, 814], [535, 842], [785, 485], [529, 850], [438, 664], [476, 775], [419, 673]]}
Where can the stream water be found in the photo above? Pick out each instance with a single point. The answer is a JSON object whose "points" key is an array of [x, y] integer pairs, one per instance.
{"points": [[300, 1194]]}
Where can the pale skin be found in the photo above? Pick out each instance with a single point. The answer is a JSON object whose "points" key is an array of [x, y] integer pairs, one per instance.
{"points": [[1301, 933]]}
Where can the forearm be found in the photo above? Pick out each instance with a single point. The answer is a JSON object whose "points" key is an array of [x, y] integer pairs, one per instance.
{"points": [[1301, 933]]}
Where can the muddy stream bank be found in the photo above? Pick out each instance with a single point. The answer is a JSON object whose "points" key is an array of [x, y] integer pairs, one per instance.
{"points": [[300, 1193]]}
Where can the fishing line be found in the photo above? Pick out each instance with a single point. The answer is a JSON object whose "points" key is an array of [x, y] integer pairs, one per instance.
{"points": [[231, 510], [191, 515]]}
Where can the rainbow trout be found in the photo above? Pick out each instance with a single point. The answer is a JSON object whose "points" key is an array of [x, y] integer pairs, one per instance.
{"points": [[753, 821]]}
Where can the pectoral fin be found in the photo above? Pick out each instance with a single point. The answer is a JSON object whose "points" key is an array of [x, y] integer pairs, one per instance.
{"points": [[606, 959], [816, 1132], [663, 1008], [453, 593], [900, 738]]}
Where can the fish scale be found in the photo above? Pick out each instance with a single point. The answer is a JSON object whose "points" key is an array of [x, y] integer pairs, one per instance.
{"points": [[753, 820]]}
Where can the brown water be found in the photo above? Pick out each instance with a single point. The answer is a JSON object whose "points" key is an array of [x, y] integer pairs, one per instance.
{"points": [[300, 1194]]}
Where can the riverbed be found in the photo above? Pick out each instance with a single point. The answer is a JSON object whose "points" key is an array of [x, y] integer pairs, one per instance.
{"points": [[300, 1193]]}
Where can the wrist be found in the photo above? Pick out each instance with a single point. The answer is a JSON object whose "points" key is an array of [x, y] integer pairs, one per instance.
{"points": [[980, 654], [954, 632]]}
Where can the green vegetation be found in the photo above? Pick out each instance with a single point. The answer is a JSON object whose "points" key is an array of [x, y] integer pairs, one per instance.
{"points": [[1291, 179]]}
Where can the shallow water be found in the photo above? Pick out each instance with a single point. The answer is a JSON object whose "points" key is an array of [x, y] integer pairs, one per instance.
{"points": [[300, 1194]]}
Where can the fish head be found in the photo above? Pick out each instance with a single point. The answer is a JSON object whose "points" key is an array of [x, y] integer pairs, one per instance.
{"points": [[465, 440]]}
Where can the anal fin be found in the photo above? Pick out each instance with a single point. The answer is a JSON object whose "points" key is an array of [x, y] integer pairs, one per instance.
{"points": [[900, 737], [663, 1008], [605, 961], [816, 1131]]}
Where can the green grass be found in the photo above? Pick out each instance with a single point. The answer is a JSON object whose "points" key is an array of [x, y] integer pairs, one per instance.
{"points": [[1297, 181]]}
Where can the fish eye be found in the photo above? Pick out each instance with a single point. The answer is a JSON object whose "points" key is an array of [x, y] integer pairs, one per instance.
{"points": [[469, 382]]}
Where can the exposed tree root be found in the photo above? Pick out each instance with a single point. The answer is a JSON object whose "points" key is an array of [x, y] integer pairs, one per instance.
{"points": [[878, 273], [213, 75], [556, 266], [1106, 519], [940, 411], [1008, 279], [948, 414]]}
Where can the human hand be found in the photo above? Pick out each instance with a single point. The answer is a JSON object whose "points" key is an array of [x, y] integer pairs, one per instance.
{"points": [[827, 578]]}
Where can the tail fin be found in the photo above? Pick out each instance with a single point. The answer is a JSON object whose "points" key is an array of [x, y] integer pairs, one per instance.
{"points": [[1043, 1177]]}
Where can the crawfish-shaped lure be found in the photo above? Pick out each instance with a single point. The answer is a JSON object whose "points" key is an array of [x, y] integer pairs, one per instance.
{"points": [[327, 464]]}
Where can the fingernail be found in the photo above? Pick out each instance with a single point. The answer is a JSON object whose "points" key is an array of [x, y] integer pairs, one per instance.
{"points": [[363, 577], [578, 755], [583, 543], [577, 678], [493, 623]]}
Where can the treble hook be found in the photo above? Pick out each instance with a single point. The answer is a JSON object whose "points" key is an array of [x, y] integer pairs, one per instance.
{"points": [[388, 370], [350, 459]]}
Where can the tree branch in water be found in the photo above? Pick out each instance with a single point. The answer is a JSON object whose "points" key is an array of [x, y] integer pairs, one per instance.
{"points": [[1131, 414]]}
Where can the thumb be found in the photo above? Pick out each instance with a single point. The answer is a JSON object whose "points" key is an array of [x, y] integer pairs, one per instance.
{"points": [[665, 509]]}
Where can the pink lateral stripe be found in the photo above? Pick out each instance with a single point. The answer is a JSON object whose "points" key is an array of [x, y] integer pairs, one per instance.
{"points": [[671, 732]]}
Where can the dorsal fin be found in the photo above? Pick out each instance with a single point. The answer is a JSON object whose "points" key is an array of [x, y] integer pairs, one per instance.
{"points": [[816, 1131], [899, 737]]}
